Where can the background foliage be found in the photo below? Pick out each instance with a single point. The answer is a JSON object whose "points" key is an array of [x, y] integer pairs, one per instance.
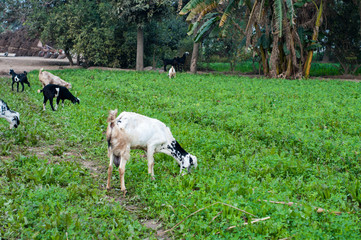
{"points": [[103, 33]]}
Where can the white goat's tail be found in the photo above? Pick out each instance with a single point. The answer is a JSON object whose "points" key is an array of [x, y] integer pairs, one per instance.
{"points": [[112, 116]]}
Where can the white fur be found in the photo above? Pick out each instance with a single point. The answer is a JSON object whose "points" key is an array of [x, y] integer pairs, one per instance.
{"points": [[11, 116], [172, 72], [135, 131], [46, 78]]}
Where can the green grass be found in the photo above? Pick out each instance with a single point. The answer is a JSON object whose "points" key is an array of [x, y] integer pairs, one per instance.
{"points": [[317, 69], [255, 139]]}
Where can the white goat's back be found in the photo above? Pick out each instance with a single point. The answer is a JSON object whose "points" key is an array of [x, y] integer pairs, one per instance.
{"points": [[143, 130]]}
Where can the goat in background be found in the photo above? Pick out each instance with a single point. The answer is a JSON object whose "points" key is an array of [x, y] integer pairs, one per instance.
{"points": [[177, 62], [48, 78], [172, 72], [19, 78], [167, 62], [51, 91], [181, 61]]}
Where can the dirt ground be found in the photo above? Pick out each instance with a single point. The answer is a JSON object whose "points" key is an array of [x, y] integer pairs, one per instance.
{"points": [[21, 64]]}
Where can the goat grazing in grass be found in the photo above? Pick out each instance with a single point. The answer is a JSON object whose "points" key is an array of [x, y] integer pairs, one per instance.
{"points": [[134, 131], [51, 91], [48, 78], [19, 78], [11, 116], [172, 72]]}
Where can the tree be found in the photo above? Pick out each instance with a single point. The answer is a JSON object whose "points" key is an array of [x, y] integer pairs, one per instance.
{"points": [[164, 38], [343, 34], [12, 14], [140, 12], [88, 29], [271, 29]]}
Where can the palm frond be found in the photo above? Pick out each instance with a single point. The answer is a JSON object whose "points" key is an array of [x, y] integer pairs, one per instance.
{"points": [[192, 27], [206, 10], [291, 12], [206, 28], [227, 12], [190, 6], [195, 5]]}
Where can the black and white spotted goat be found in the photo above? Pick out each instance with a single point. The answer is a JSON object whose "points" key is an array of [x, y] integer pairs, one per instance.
{"points": [[19, 78], [51, 91], [134, 131], [11, 116]]}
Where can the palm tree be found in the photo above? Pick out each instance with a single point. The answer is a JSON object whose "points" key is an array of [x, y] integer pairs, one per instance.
{"points": [[271, 29]]}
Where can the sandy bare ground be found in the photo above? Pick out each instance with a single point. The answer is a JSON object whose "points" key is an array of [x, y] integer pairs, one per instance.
{"points": [[21, 64]]}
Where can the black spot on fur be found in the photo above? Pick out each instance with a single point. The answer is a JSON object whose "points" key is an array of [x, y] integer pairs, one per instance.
{"points": [[176, 150]]}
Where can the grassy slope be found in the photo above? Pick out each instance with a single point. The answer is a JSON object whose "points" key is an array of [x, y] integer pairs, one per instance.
{"points": [[256, 139]]}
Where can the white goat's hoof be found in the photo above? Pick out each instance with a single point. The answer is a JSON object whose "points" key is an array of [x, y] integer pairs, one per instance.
{"points": [[124, 192]]}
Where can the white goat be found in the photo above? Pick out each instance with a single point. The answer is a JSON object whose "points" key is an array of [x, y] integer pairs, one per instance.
{"points": [[172, 72], [134, 131], [11, 116], [48, 78]]}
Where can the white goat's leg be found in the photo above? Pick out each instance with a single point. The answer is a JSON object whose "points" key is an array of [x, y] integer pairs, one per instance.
{"points": [[110, 169], [123, 161], [150, 157]]}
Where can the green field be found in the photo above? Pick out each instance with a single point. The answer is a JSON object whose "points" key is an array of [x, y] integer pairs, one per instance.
{"points": [[257, 140], [317, 69]]}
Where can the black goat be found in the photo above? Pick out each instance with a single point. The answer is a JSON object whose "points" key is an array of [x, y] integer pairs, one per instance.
{"points": [[19, 78], [61, 93], [167, 62], [177, 62], [181, 61]]}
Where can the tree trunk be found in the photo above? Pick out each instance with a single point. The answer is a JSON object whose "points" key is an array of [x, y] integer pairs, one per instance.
{"points": [[68, 56], [78, 60], [140, 50], [194, 57], [307, 66]]}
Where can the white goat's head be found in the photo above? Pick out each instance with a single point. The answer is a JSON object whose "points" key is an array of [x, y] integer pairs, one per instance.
{"points": [[12, 117], [189, 161]]}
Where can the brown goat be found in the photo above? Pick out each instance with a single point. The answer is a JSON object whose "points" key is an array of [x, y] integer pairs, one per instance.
{"points": [[48, 78]]}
